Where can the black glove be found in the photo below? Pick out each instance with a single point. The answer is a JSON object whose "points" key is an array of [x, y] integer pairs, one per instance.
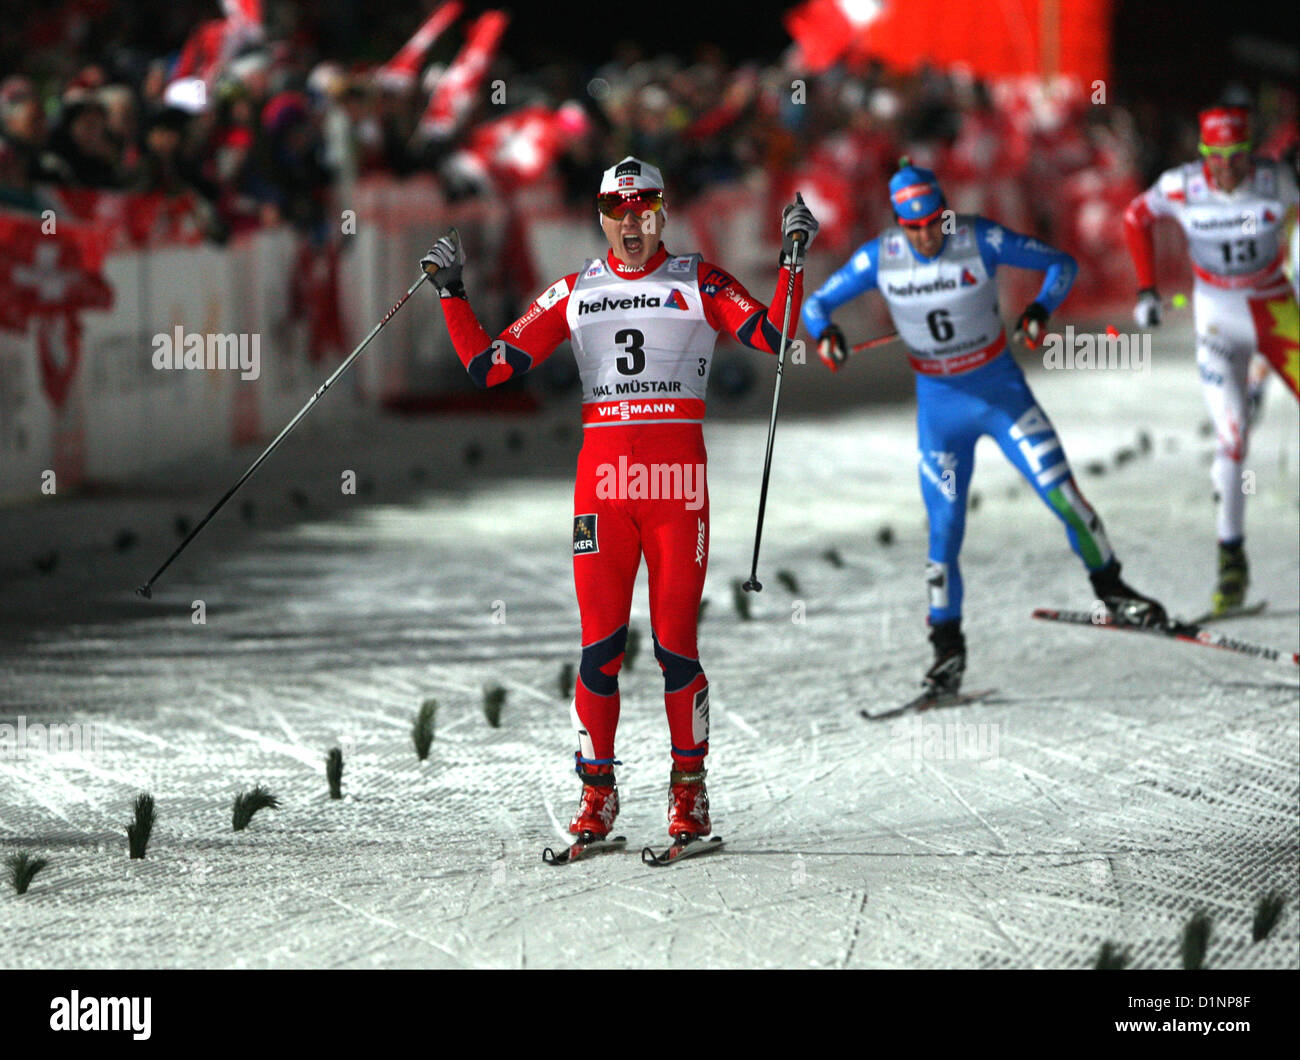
{"points": [[443, 263], [1032, 325], [797, 218], [832, 348], [1147, 310]]}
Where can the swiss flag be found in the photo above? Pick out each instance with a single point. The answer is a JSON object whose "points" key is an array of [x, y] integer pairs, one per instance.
{"points": [[825, 29], [47, 280]]}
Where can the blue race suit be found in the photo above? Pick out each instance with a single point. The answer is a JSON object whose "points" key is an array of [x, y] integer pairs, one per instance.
{"points": [[967, 383]]}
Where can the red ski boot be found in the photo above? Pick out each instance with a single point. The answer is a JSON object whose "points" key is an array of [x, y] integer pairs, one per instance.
{"points": [[688, 805], [599, 805]]}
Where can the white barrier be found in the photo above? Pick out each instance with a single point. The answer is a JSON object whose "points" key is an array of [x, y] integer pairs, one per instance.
{"points": [[119, 416]]}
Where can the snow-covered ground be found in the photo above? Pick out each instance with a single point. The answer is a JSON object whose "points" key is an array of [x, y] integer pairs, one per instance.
{"points": [[1114, 785]]}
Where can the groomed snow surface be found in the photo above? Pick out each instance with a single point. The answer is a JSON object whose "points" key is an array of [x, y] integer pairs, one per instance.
{"points": [[1115, 785]]}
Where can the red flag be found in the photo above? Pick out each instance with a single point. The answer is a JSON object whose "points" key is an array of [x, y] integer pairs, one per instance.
{"points": [[454, 94], [49, 280], [203, 51], [518, 148], [404, 67], [247, 10], [824, 29]]}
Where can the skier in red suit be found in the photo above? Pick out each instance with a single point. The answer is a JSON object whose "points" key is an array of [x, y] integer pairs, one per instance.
{"points": [[642, 323]]}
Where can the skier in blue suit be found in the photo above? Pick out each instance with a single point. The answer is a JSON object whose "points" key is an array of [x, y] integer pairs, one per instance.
{"points": [[937, 272]]}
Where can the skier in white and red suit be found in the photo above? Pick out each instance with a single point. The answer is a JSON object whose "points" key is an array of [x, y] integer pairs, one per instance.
{"points": [[642, 323], [1234, 210]]}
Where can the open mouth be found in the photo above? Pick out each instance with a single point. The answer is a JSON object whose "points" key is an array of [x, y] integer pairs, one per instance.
{"points": [[633, 244]]}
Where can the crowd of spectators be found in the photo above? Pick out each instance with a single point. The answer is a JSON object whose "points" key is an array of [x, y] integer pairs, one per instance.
{"points": [[285, 130]]}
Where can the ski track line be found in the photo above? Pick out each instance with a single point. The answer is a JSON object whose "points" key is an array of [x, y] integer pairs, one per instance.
{"points": [[560, 830], [101, 773], [853, 939], [34, 789], [970, 809], [374, 918], [271, 746], [528, 689], [136, 734], [741, 724]]}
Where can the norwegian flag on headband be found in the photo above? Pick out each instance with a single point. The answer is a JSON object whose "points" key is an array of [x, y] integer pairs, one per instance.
{"points": [[403, 68], [454, 94]]}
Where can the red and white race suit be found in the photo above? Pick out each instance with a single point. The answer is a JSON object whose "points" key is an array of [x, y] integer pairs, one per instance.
{"points": [[643, 339], [1242, 300]]}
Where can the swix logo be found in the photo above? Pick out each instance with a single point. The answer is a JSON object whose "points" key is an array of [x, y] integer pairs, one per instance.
{"points": [[606, 304], [675, 301], [699, 545], [967, 278]]}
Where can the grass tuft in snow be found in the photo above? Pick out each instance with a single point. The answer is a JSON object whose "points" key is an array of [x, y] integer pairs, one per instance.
{"points": [[334, 772], [633, 648], [140, 829], [494, 698], [739, 599], [23, 869], [833, 557], [1267, 913], [1111, 957], [1196, 940], [566, 680], [422, 730], [788, 579], [248, 803]]}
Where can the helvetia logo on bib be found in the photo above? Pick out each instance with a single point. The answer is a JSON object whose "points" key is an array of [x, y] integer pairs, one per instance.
{"points": [[967, 278], [675, 301]]}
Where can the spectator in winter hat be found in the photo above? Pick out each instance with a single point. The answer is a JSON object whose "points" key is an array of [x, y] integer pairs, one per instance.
{"points": [[83, 142]]}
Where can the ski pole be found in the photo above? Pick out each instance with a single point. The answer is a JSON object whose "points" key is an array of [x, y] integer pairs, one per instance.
{"points": [[879, 340], [754, 585], [146, 590]]}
